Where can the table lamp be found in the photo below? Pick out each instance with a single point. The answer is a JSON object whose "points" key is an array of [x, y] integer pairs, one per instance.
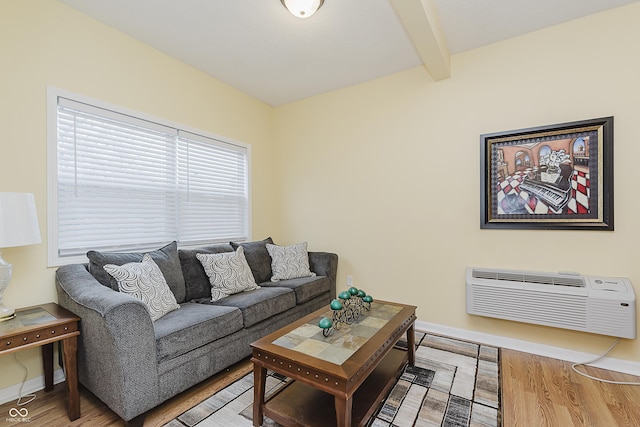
{"points": [[18, 227]]}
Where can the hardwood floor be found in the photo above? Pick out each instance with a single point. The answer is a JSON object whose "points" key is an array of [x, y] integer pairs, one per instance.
{"points": [[536, 391], [49, 409], [539, 391]]}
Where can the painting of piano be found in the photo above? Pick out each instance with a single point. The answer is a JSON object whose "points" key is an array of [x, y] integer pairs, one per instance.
{"points": [[549, 177]]}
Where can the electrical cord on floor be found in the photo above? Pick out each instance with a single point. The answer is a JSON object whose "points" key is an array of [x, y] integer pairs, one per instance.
{"points": [[600, 358], [31, 397]]}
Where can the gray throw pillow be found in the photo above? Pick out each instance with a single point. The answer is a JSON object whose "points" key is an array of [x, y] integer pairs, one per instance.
{"points": [[195, 278], [144, 281], [258, 258], [228, 273], [289, 262], [166, 258]]}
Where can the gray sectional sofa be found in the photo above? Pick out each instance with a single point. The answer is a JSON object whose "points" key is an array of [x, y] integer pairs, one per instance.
{"points": [[133, 364]]}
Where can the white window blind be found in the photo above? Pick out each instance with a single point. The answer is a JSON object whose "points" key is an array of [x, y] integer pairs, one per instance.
{"points": [[125, 183], [212, 189]]}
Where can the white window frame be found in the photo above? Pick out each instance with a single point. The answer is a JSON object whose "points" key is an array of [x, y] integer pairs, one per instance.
{"points": [[53, 94]]}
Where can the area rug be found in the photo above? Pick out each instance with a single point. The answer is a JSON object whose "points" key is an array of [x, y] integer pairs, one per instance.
{"points": [[453, 383]]}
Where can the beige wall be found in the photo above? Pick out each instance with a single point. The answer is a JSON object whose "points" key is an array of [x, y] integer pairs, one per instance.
{"points": [[386, 173], [43, 42]]}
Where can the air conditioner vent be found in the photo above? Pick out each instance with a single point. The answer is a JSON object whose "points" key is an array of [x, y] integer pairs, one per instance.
{"points": [[541, 279], [483, 274], [601, 305]]}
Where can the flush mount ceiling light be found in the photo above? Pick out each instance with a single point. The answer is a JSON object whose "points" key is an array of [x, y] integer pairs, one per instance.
{"points": [[302, 8]]}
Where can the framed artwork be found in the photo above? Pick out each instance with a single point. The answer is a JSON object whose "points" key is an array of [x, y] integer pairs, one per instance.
{"points": [[548, 177]]}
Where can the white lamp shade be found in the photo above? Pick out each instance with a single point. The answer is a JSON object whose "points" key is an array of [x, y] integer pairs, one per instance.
{"points": [[18, 220], [302, 8]]}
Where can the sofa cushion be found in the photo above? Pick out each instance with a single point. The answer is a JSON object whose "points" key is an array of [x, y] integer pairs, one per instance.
{"points": [[289, 262], [193, 326], [258, 258], [166, 258], [228, 273], [260, 304], [196, 280], [144, 281], [305, 288]]}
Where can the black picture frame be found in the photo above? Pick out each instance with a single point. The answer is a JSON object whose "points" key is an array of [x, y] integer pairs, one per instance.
{"points": [[548, 177]]}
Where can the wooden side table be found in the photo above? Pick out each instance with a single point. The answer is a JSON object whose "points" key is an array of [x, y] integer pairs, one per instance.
{"points": [[41, 326]]}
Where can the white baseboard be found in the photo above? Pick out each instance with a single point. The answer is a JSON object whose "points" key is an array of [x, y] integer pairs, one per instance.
{"points": [[30, 386], [573, 356]]}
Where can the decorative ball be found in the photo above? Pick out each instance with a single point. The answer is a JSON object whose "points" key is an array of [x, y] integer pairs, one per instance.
{"points": [[361, 293], [325, 323], [367, 298], [344, 295], [336, 305], [353, 291]]}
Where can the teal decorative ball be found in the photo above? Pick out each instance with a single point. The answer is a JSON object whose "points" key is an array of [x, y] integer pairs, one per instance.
{"points": [[367, 298], [361, 293], [325, 323], [344, 295], [353, 291], [336, 305]]}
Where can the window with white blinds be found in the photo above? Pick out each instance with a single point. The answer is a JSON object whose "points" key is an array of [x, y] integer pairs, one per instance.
{"points": [[125, 183]]}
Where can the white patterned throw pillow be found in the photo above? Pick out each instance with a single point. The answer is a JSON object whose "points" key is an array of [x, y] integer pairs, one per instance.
{"points": [[145, 281], [228, 272], [289, 262]]}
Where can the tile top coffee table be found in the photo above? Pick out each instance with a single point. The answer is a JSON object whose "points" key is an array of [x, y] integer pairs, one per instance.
{"points": [[340, 379]]}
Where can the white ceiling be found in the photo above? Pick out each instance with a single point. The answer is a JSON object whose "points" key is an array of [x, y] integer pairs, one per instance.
{"points": [[257, 47]]}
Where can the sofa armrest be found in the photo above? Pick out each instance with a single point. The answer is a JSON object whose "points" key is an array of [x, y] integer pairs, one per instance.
{"points": [[116, 349], [325, 264]]}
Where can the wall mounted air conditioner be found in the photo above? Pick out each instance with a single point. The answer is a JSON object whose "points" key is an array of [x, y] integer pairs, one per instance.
{"points": [[601, 305]]}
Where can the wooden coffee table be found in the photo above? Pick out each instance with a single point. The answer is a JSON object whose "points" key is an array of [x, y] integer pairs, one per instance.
{"points": [[338, 380]]}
